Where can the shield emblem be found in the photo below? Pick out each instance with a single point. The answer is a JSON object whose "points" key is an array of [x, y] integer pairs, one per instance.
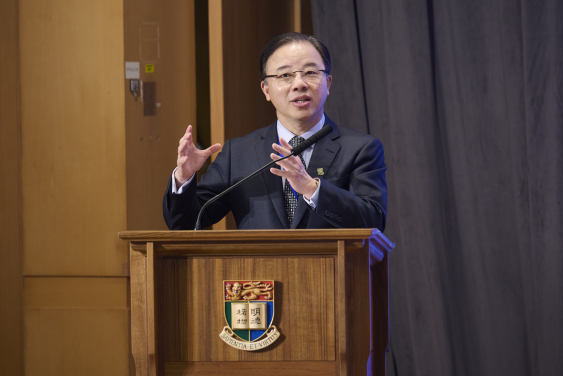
{"points": [[249, 308]]}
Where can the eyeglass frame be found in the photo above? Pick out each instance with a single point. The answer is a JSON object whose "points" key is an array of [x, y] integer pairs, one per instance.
{"points": [[297, 71]]}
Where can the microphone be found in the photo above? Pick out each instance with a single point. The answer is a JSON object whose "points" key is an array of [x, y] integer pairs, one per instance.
{"points": [[295, 151], [311, 140]]}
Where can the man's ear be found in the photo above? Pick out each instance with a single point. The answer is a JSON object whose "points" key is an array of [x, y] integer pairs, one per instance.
{"points": [[265, 90], [328, 82]]}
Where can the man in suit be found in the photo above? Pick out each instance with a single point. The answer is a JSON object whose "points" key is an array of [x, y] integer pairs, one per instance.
{"points": [[338, 182]]}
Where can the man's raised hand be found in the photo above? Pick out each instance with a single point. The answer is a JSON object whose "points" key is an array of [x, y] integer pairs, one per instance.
{"points": [[293, 170], [190, 158]]}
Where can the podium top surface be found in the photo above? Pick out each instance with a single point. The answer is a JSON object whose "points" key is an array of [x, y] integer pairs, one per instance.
{"points": [[206, 235], [277, 241]]}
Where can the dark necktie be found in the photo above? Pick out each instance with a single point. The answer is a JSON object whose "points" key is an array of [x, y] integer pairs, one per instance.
{"points": [[290, 199]]}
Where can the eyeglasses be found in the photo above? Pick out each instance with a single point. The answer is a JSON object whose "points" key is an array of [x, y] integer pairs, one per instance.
{"points": [[311, 76]]}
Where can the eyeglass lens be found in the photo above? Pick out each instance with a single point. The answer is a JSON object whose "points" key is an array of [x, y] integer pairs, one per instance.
{"points": [[310, 76]]}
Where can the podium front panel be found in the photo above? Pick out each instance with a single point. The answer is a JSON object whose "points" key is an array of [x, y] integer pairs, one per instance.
{"points": [[303, 313]]}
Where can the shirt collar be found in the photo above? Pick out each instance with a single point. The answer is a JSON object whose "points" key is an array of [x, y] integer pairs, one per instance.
{"points": [[287, 135]]}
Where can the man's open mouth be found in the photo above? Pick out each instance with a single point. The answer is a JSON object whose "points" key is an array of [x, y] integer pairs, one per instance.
{"points": [[302, 100]]}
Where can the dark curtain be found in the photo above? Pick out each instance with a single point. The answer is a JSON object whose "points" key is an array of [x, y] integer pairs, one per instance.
{"points": [[466, 97]]}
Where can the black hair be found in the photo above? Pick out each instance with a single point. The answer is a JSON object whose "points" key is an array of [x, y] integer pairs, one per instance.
{"points": [[287, 38]]}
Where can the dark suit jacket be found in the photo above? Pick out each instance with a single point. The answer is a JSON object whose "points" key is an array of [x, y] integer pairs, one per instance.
{"points": [[353, 191]]}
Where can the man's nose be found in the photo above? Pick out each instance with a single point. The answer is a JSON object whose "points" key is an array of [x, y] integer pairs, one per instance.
{"points": [[298, 82]]}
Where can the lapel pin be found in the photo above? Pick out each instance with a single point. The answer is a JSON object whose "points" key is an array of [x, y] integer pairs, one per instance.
{"points": [[320, 171]]}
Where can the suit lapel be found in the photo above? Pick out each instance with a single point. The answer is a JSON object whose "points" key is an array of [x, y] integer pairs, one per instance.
{"points": [[273, 183], [323, 156]]}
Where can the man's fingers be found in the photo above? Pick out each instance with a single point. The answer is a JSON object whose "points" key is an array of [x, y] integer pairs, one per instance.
{"points": [[212, 149], [279, 172], [281, 150], [287, 149], [184, 148], [285, 144], [294, 161], [288, 174], [187, 137], [186, 144], [186, 134], [287, 164]]}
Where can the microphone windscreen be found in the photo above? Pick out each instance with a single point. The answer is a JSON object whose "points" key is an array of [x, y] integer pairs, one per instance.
{"points": [[311, 140]]}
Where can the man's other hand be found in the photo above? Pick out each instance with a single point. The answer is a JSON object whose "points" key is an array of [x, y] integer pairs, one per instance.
{"points": [[293, 170], [190, 158]]}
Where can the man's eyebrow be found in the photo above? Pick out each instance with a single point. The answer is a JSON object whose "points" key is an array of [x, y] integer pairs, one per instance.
{"points": [[307, 65], [311, 64], [283, 67]]}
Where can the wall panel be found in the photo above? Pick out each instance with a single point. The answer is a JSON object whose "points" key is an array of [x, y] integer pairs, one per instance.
{"points": [[76, 326], [76, 342], [73, 188], [11, 357], [163, 34], [73, 137], [75, 292], [250, 24]]}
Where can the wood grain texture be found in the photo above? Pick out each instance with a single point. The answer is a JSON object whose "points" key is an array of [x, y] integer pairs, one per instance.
{"points": [[11, 242], [358, 311], [322, 235], [216, 87], [304, 308], [72, 187], [152, 141], [341, 310], [250, 368], [297, 16], [75, 292], [248, 28], [162, 294], [138, 283], [76, 325], [152, 317], [216, 72], [325, 298], [228, 248], [70, 341], [73, 137]]}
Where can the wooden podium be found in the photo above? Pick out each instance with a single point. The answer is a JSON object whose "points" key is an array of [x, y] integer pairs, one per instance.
{"points": [[331, 301]]}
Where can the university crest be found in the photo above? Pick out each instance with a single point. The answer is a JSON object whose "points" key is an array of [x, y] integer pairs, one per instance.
{"points": [[249, 313]]}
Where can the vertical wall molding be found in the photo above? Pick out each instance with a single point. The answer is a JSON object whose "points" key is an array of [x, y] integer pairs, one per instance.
{"points": [[216, 88], [11, 241]]}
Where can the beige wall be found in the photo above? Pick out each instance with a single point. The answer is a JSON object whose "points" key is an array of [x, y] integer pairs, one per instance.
{"points": [[73, 187], [163, 34], [73, 137], [76, 326], [63, 268]]}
